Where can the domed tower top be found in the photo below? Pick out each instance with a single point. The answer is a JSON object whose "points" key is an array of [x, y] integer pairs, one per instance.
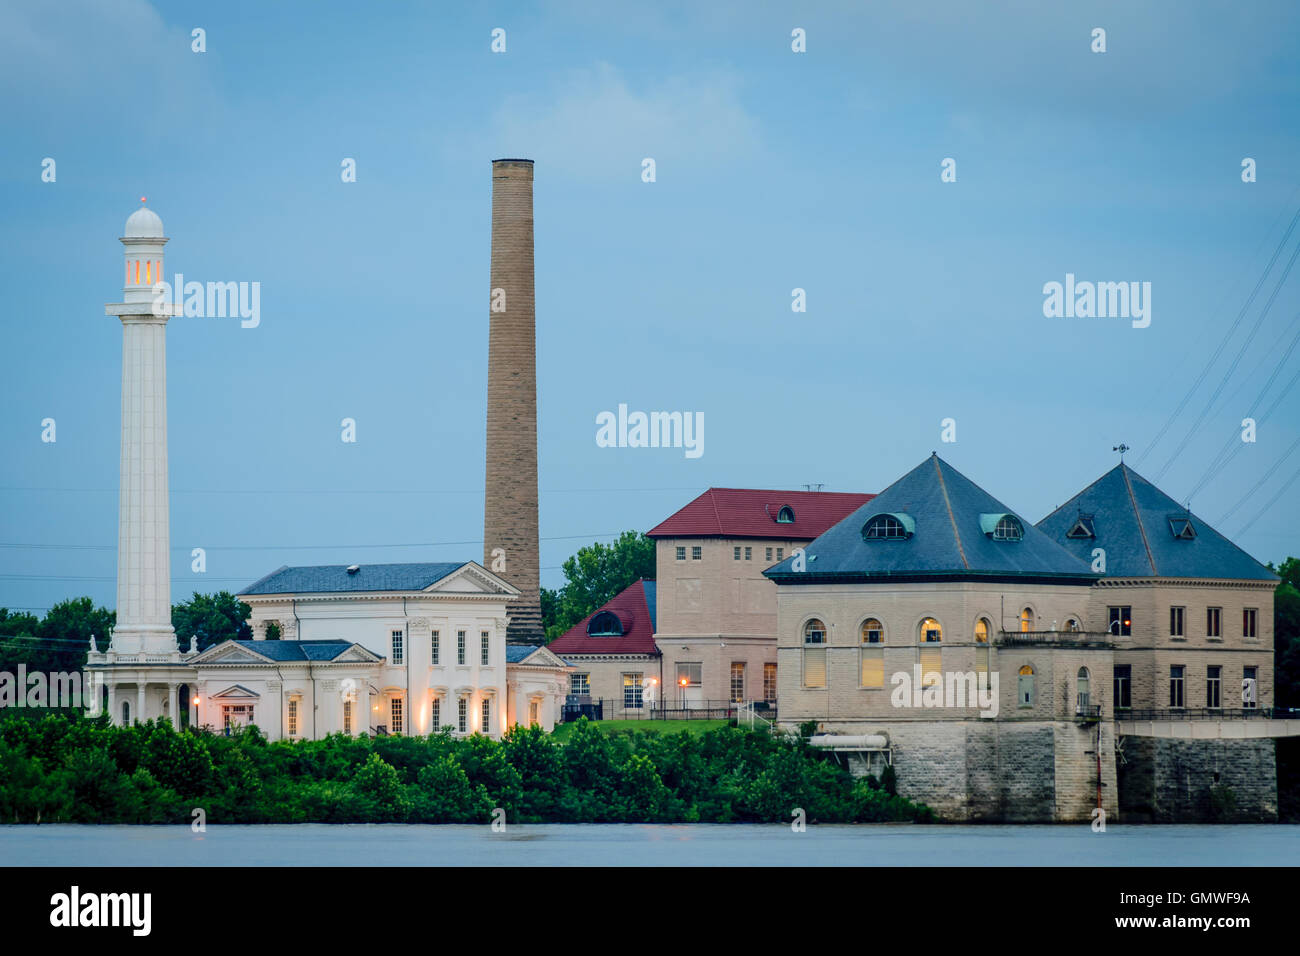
{"points": [[143, 224]]}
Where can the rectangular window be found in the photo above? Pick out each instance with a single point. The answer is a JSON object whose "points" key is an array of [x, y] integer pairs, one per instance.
{"points": [[462, 715], [768, 554], [780, 554], [1250, 687], [1176, 685], [236, 715], [484, 649], [632, 691], [293, 717], [931, 666], [1121, 621], [681, 554], [397, 647], [873, 667], [435, 649], [735, 553], [486, 726], [1214, 622], [1249, 617], [982, 654], [534, 712], [697, 552], [1124, 685], [395, 715], [1213, 687], [347, 717], [749, 553], [814, 666], [769, 683], [689, 674], [737, 681], [460, 647], [580, 684], [1176, 622], [436, 712]]}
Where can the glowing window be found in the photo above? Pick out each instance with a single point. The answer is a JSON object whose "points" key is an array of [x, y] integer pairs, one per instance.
{"points": [[931, 632]]}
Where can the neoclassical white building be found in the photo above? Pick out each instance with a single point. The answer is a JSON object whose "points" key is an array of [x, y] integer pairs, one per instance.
{"points": [[373, 649]]}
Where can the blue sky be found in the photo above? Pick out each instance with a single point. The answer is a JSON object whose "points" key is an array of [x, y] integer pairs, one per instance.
{"points": [[775, 170]]}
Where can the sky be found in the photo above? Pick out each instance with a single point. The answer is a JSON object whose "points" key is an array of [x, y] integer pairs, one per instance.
{"points": [[775, 170]]}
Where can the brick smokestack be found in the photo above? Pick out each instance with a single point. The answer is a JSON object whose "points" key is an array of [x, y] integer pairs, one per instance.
{"points": [[510, 537]]}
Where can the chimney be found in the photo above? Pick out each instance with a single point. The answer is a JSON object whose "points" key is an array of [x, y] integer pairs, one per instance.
{"points": [[510, 537]]}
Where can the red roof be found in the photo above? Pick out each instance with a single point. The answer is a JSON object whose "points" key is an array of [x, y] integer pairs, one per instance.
{"points": [[748, 513], [633, 608]]}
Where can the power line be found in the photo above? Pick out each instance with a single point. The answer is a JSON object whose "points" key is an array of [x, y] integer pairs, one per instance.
{"points": [[1280, 492], [298, 547], [1235, 362], [1226, 339], [1259, 484]]}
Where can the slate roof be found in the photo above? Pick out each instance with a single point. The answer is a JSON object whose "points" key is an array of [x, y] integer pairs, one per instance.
{"points": [[751, 513], [334, 578], [946, 509], [1131, 520], [517, 652], [297, 650], [634, 607]]}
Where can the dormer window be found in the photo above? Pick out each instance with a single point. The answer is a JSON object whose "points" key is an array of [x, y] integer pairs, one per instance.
{"points": [[785, 515], [889, 526], [1182, 528], [1002, 527], [1083, 528], [605, 624]]}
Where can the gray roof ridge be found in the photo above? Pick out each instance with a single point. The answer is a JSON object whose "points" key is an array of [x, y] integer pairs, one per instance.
{"points": [[263, 579], [1137, 515], [1095, 482], [947, 503]]}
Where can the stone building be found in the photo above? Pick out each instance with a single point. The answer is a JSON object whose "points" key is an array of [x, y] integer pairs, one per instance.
{"points": [[936, 629], [613, 655], [1191, 617], [716, 619]]}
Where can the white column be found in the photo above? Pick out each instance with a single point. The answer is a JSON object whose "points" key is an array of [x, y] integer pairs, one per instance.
{"points": [[139, 710], [172, 713], [112, 701]]}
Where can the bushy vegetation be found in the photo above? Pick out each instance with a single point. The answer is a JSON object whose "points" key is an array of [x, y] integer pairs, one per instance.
{"points": [[72, 769]]}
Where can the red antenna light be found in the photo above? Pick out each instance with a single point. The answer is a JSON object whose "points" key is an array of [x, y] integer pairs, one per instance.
{"points": [[142, 198]]}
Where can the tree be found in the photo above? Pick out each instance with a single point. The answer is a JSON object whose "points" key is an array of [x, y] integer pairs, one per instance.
{"points": [[593, 576], [57, 643], [213, 617]]}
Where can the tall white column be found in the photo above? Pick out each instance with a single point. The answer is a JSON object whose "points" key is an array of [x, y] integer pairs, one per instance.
{"points": [[139, 695], [143, 539]]}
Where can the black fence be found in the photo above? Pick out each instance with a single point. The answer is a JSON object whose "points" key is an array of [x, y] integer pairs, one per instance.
{"points": [[603, 709], [1207, 713]]}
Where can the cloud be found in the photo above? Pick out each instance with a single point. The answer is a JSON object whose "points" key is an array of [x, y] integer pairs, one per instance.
{"points": [[595, 126]]}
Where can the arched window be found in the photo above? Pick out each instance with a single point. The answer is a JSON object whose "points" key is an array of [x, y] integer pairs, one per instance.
{"points": [[930, 631], [814, 632], [1008, 528], [982, 650], [126, 714], [871, 667], [785, 515], [1025, 686], [1082, 686], [605, 624], [814, 654], [886, 527], [1072, 624], [1027, 619]]}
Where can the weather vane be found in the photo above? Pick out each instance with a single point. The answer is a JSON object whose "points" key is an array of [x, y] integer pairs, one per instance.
{"points": [[1121, 448]]}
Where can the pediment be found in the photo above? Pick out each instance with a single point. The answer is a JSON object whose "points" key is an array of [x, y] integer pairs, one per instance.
{"points": [[237, 692], [472, 578], [543, 658], [230, 653], [356, 654]]}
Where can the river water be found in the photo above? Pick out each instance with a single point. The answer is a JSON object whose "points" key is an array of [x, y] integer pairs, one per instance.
{"points": [[649, 845]]}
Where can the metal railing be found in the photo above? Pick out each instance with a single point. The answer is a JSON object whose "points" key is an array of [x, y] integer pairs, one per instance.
{"points": [[604, 709], [1206, 713], [1055, 638]]}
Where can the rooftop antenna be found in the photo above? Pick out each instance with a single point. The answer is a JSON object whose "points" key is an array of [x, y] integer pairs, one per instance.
{"points": [[817, 486], [1121, 448]]}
